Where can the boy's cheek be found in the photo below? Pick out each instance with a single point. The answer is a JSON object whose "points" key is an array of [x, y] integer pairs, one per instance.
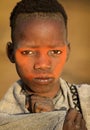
{"points": [[60, 65], [58, 70], [21, 60]]}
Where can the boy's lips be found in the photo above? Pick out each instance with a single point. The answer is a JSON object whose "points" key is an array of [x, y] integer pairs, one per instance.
{"points": [[43, 80]]}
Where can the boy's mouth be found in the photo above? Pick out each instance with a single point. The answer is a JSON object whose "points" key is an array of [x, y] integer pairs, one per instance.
{"points": [[43, 80]]}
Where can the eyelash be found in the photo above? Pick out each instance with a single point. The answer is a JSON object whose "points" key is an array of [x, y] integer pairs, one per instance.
{"points": [[55, 52], [27, 52], [51, 52]]}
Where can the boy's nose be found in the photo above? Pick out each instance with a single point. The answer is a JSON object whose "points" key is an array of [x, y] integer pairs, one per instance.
{"points": [[42, 63]]}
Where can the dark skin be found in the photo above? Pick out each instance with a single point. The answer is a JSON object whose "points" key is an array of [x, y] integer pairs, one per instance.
{"points": [[73, 121], [37, 104], [41, 74]]}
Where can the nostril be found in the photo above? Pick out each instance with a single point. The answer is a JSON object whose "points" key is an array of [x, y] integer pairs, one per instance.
{"points": [[42, 66]]}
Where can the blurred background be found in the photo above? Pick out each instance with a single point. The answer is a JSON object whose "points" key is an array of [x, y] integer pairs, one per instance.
{"points": [[77, 69]]}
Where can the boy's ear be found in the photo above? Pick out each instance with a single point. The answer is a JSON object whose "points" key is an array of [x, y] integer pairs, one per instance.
{"points": [[68, 51], [10, 51]]}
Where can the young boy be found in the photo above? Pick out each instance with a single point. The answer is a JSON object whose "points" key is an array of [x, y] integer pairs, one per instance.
{"points": [[39, 49]]}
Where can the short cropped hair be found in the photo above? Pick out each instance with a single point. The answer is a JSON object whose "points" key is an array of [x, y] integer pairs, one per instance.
{"points": [[36, 6]]}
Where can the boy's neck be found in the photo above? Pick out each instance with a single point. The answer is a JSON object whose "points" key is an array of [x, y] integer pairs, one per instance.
{"points": [[51, 94]]}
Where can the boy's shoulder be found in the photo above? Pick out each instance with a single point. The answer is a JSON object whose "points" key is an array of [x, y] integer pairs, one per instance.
{"points": [[72, 85], [16, 87], [13, 99]]}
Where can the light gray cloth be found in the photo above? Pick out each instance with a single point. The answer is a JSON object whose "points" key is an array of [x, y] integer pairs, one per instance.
{"points": [[14, 115], [38, 121]]}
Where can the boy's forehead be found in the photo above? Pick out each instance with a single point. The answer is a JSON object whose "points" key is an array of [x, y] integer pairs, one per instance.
{"points": [[26, 24], [35, 20], [40, 45]]}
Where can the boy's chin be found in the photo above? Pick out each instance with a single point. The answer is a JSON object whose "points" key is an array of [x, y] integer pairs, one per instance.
{"points": [[42, 86]]}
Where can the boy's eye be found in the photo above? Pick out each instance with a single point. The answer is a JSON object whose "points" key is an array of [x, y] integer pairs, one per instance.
{"points": [[27, 52], [55, 52]]}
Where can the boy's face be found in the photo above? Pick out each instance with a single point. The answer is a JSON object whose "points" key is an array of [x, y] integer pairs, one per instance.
{"points": [[40, 53]]}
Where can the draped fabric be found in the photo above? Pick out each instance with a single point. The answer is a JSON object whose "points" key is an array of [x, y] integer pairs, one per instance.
{"points": [[14, 115]]}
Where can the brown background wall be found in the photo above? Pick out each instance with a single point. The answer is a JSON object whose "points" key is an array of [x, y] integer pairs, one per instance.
{"points": [[77, 69]]}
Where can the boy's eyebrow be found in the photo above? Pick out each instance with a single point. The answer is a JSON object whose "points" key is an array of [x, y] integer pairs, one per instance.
{"points": [[49, 46]]}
